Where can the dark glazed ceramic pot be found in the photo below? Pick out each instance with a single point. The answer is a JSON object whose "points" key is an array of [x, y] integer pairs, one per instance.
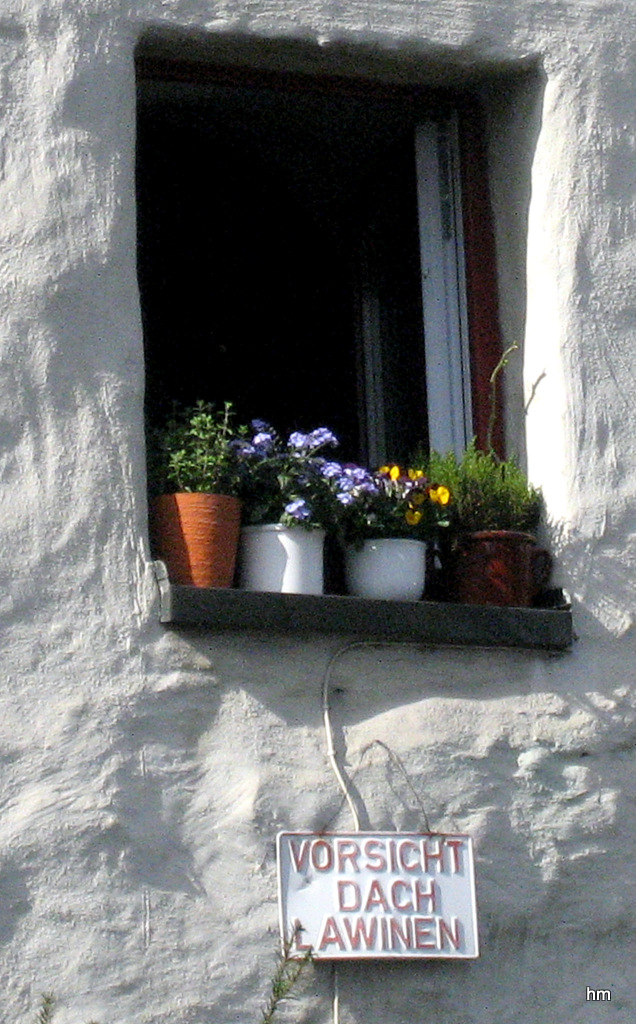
{"points": [[501, 567]]}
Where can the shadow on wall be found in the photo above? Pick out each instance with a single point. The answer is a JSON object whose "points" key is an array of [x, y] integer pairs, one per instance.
{"points": [[598, 567], [514, 108], [158, 769], [367, 678], [15, 898]]}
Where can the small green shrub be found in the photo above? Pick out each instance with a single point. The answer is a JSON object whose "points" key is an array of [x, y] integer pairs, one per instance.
{"points": [[487, 493], [286, 975], [45, 1013], [192, 452], [47, 1009]]}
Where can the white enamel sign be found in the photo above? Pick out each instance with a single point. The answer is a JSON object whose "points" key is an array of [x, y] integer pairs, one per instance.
{"points": [[377, 894]]}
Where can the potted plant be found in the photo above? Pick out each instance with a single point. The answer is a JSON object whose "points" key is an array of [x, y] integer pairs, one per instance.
{"points": [[386, 519], [195, 521], [493, 518], [288, 494]]}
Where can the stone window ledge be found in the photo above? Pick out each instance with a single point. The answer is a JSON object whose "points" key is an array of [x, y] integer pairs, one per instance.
{"points": [[426, 622]]}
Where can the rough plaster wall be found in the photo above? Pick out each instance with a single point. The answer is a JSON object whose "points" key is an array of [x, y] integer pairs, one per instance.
{"points": [[145, 774], [138, 869]]}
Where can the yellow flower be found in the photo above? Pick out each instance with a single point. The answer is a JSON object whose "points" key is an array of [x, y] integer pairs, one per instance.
{"points": [[393, 472], [440, 495], [415, 474], [412, 516]]}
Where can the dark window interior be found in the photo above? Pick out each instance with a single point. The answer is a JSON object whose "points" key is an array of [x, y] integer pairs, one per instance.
{"points": [[269, 218]]}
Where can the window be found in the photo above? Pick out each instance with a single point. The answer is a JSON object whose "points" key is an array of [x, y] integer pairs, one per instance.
{"points": [[319, 251]]}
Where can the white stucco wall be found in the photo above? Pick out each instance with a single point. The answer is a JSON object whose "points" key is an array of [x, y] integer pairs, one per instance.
{"points": [[145, 773]]}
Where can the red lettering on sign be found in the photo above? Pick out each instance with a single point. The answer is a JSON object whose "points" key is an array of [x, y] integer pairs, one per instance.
{"points": [[322, 863], [424, 891], [455, 847], [348, 850], [330, 935], [422, 933], [444, 932], [298, 944], [354, 896], [299, 855], [404, 845], [364, 931], [391, 846], [400, 930], [376, 861], [436, 855], [376, 897], [401, 884]]}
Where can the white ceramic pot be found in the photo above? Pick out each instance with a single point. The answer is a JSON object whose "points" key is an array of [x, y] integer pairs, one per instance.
{"points": [[392, 568], [286, 560]]}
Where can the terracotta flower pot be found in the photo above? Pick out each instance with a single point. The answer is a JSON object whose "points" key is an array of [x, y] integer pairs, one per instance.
{"points": [[196, 535], [500, 567]]}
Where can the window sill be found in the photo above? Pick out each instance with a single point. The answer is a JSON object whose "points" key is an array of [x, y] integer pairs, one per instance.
{"points": [[426, 622]]}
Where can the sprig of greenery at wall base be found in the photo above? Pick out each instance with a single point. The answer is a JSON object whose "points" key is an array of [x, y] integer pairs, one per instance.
{"points": [[47, 1010], [284, 980]]}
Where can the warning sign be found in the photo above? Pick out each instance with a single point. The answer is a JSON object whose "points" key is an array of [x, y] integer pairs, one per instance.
{"points": [[377, 894]]}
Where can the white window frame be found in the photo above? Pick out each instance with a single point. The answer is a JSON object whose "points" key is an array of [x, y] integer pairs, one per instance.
{"points": [[446, 340]]}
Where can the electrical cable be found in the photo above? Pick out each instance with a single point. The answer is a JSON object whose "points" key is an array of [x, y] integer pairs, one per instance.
{"points": [[342, 782], [336, 997], [331, 750]]}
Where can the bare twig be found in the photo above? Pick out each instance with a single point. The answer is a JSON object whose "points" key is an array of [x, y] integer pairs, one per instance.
{"points": [[493, 393]]}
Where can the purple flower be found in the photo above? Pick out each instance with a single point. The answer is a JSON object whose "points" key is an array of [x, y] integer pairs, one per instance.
{"points": [[299, 441], [331, 470], [362, 477], [263, 442], [322, 436], [311, 442], [359, 478], [298, 509]]}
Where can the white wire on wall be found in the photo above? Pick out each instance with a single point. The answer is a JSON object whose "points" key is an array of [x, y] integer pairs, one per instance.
{"points": [[341, 778]]}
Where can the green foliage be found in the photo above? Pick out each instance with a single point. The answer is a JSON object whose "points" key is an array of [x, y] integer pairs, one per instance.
{"points": [[286, 976], [47, 1009], [45, 1013], [393, 502], [487, 493], [193, 451], [284, 481]]}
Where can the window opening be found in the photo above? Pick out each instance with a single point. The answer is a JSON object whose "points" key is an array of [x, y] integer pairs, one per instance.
{"points": [[301, 252]]}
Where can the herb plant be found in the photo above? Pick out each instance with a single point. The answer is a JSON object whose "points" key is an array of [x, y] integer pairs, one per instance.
{"points": [[488, 493], [194, 450]]}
